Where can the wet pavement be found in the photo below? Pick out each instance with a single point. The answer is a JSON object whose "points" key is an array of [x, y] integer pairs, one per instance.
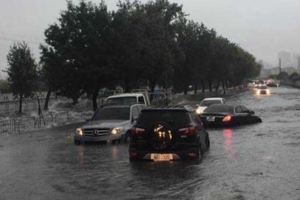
{"points": [[260, 161]]}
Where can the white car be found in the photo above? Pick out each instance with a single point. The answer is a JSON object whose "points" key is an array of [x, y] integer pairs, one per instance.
{"points": [[208, 102], [109, 124], [262, 90]]}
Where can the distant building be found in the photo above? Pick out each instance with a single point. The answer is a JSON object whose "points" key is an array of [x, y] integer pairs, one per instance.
{"points": [[285, 59], [298, 64]]}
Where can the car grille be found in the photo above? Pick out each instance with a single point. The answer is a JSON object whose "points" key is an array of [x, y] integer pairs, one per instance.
{"points": [[96, 132]]}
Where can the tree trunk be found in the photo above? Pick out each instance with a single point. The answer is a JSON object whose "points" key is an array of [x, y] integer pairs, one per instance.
{"points": [[185, 89], [95, 96], [203, 86], [47, 99], [20, 103], [195, 88], [224, 88], [126, 86], [217, 86], [210, 85]]}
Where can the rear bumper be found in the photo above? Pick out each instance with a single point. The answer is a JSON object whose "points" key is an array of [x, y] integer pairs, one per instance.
{"points": [[186, 154]]}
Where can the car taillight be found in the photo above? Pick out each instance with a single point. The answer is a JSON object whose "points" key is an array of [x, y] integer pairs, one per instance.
{"points": [[227, 118], [136, 131], [188, 130]]}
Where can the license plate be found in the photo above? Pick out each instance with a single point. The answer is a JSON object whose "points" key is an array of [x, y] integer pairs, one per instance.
{"points": [[210, 118], [161, 157]]}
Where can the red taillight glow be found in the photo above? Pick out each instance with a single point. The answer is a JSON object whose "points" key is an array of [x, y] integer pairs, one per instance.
{"points": [[137, 131], [188, 131], [227, 118]]}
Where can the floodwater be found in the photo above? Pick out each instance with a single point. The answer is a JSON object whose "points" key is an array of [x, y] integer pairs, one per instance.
{"points": [[260, 161]]}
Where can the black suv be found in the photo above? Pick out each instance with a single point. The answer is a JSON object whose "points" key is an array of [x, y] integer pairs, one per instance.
{"points": [[168, 133]]}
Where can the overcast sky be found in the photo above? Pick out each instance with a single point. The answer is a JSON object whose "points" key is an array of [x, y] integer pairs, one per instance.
{"points": [[262, 27]]}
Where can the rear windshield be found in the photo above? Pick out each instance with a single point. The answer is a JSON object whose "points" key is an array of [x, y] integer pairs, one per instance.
{"points": [[210, 102], [112, 114], [262, 87], [121, 101], [172, 118], [219, 109]]}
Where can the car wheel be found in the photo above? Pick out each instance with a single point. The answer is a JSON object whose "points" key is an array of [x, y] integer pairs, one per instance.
{"points": [[77, 142], [207, 142], [199, 157]]}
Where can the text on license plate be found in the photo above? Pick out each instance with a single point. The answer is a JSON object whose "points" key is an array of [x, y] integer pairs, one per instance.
{"points": [[161, 157], [210, 118]]}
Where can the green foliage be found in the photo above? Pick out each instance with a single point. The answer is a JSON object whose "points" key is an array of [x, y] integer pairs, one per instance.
{"points": [[139, 44], [22, 73]]}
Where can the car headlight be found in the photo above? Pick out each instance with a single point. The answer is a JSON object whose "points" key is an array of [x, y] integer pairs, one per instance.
{"points": [[79, 131], [199, 111], [268, 92], [257, 92], [116, 130]]}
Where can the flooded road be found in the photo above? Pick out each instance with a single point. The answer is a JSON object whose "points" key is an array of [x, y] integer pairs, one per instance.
{"points": [[260, 161]]}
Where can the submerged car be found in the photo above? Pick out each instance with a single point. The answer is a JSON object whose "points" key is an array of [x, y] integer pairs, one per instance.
{"points": [[227, 116], [262, 90], [168, 133], [208, 102], [109, 124]]}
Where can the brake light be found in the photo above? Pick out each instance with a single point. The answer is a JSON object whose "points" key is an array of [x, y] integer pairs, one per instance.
{"points": [[188, 130], [227, 118], [137, 131]]}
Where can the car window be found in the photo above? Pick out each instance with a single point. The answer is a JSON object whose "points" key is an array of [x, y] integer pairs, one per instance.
{"points": [[219, 108], [141, 100], [173, 118], [112, 114], [209, 102], [238, 109], [121, 101], [244, 109]]}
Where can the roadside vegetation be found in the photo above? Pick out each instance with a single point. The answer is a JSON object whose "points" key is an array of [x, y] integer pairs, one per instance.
{"points": [[138, 45]]}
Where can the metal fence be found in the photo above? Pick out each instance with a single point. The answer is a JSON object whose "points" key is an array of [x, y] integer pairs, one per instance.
{"points": [[21, 125]]}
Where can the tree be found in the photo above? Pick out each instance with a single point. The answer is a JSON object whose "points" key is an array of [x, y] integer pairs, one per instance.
{"points": [[4, 86], [77, 48], [22, 72]]}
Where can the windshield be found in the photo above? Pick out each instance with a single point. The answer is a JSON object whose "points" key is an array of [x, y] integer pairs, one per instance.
{"points": [[172, 118], [112, 114], [219, 109], [209, 102], [121, 101]]}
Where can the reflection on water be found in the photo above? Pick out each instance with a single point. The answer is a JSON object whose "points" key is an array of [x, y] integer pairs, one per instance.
{"points": [[228, 135], [114, 152], [81, 155]]}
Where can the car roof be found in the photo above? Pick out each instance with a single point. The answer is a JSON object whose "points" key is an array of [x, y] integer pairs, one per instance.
{"points": [[213, 98], [185, 108], [222, 105], [121, 106], [126, 95], [117, 106]]}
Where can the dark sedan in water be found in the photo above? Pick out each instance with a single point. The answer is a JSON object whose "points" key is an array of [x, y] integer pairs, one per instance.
{"points": [[221, 115]]}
